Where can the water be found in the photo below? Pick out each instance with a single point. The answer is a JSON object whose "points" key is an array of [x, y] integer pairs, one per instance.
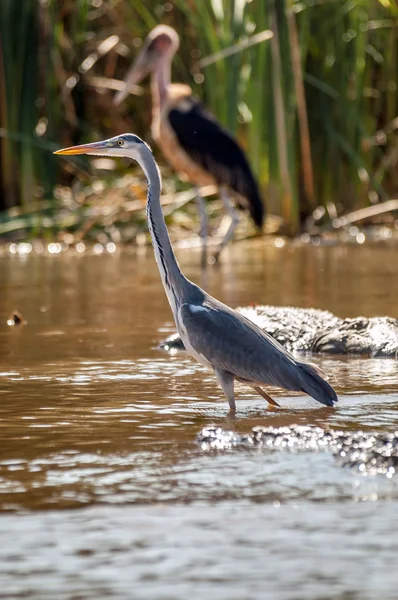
{"points": [[103, 491]]}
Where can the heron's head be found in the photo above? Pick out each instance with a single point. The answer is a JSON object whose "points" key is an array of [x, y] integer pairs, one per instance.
{"points": [[160, 45], [127, 144]]}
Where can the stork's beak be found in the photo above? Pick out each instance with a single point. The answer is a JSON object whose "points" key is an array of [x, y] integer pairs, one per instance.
{"points": [[140, 68], [94, 148]]}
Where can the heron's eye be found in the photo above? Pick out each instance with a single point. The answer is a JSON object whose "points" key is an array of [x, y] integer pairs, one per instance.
{"points": [[120, 142]]}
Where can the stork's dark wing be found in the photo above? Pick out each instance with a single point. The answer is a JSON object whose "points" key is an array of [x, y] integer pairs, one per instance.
{"points": [[213, 147]]}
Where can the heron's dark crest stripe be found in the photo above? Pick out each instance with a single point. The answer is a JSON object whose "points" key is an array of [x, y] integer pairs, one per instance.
{"points": [[151, 220], [155, 234]]}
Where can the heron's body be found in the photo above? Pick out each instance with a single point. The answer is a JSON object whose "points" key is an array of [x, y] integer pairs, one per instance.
{"points": [[214, 334], [192, 141]]}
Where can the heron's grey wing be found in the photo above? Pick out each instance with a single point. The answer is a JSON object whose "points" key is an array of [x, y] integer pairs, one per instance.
{"points": [[232, 343]]}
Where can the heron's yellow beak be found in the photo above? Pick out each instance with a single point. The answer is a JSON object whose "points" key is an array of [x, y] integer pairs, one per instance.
{"points": [[93, 148]]}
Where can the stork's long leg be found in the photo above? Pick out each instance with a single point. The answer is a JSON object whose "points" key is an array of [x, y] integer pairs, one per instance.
{"points": [[226, 381], [204, 224], [228, 223]]}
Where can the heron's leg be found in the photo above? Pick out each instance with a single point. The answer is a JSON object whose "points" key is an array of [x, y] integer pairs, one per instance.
{"points": [[229, 222], [226, 381], [265, 395], [204, 224], [260, 391]]}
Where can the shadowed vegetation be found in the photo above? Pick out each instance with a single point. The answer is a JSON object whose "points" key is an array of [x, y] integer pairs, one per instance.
{"points": [[315, 105]]}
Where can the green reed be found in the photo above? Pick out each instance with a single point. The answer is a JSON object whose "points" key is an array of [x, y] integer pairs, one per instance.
{"points": [[315, 107], [346, 63]]}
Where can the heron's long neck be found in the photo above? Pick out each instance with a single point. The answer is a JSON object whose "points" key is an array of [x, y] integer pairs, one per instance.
{"points": [[160, 82], [174, 282]]}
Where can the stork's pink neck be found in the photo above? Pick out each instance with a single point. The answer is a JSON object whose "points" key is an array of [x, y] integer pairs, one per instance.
{"points": [[160, 82]]}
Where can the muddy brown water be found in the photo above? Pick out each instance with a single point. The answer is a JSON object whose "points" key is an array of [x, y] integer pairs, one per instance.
{"points": [[103, 492]]}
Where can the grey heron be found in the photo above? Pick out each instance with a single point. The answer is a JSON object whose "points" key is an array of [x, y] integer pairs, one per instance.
{"points": [[214, 334]]}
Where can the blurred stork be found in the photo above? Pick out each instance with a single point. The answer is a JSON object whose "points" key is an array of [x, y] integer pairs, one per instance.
{"points": [[192, 141]]}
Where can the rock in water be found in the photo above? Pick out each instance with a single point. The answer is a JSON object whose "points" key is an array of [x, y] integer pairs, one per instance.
{"points": [[369, 453], [319, 331]]}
